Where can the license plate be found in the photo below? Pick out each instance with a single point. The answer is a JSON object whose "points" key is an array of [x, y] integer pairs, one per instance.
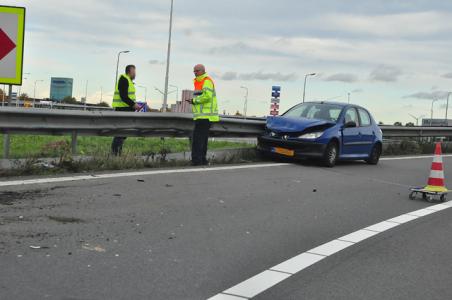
{"points": [[283, 151]]}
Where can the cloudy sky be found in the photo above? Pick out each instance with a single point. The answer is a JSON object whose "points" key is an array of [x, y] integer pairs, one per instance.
{"points": [[393, 56]]}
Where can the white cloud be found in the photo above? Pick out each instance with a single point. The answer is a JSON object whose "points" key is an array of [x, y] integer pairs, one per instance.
{"points": [[429, 95], [401, 25], [342, 77], [385, 73]]}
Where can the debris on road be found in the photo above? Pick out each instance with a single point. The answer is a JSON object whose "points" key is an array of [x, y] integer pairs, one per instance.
{"points": [[93, 248], [65, 220], [140, 180], [39, 247]]}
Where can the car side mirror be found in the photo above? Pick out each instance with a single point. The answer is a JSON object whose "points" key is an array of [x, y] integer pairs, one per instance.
{"points": [[350, 124]]}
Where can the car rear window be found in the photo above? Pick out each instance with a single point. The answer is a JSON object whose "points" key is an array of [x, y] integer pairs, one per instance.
{"points": [[364, 116]]}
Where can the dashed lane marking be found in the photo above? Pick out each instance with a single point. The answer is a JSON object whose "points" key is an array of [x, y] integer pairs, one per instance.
{"points": [[274, 275]]}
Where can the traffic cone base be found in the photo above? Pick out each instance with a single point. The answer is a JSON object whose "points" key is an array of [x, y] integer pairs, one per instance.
{"points": [[436, 189]]}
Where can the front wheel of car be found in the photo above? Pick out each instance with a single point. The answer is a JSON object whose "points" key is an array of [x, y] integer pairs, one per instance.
{"points": [[375, 154], [330, 155]]}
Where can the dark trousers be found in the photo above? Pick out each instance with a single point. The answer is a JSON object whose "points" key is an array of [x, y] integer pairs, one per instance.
{"points": [[118, 141], [199, 143]]}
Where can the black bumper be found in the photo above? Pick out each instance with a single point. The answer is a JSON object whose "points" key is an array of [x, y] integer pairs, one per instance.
{"points": [[301, 149]]}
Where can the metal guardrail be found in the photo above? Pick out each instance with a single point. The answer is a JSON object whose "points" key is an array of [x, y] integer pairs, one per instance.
{"points": [[56, 105], [109, 123]]}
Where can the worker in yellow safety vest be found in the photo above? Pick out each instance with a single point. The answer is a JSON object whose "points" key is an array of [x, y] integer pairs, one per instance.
{"points": [[124, 99], [205, 112]]}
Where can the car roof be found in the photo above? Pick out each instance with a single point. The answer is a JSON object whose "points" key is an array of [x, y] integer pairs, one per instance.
{"points": [[341, 104]]}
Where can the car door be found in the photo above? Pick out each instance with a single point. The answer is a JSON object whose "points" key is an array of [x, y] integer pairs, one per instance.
{"points": [[367, 131], [351, 139]]}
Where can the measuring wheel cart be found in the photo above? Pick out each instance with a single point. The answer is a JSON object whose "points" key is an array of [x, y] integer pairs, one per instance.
{"points": [[428, 195]]}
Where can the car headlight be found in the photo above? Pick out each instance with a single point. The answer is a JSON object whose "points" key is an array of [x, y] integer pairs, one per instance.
{"points": [[311, 135], [272, 134]]}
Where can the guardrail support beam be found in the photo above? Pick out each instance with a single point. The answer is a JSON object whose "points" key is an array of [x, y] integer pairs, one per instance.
{"points": [[6, 145], [74, 143]]}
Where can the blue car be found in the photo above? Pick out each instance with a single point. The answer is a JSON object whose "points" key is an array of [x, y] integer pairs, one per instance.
{"points": [[324, 130]]}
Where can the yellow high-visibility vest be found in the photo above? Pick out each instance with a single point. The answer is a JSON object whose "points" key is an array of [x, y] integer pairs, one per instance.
{"points": [[205, 106], [117, 101]]}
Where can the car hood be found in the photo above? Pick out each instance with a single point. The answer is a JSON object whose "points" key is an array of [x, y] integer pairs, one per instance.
{"points": [[288, 124]]}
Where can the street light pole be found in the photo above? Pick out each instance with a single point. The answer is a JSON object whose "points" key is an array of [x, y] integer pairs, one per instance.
{"points": [[416, 118], [86, 91], [245, 106], [431, 112], [177, 91], [305, 80], [447, 107], [34, 92], [117, 65], [165, 95], [145, 92]]}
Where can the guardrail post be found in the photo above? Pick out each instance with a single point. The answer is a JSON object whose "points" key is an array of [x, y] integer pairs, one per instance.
{"points": [[6, 144], [74, 143]]}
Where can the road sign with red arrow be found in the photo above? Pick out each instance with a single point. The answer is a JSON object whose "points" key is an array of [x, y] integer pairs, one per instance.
{"points": [[6, 45], [12, 26]]}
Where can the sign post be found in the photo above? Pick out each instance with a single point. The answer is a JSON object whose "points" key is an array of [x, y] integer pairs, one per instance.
{"points": [[276, 93], [12, 27]]}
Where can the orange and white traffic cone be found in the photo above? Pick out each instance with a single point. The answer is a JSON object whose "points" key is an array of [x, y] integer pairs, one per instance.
{"points": [[436, 179]]}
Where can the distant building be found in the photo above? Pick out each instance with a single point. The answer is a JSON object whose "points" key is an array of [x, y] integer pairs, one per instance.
{"points": [[60, 88], [183, 106], [436, 122]]}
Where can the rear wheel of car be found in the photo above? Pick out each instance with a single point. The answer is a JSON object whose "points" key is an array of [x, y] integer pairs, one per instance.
{"points": [[374, 156], [330, 155]]}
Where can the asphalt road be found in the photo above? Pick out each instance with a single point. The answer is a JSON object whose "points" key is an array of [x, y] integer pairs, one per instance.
{"points": [[193, 235]]}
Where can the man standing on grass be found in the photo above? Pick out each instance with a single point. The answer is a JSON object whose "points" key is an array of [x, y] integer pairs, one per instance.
{"points": [[124, 100], [205, 111]]}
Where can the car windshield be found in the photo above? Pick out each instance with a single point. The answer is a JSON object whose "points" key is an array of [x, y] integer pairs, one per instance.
{"points": [[319, 111]]}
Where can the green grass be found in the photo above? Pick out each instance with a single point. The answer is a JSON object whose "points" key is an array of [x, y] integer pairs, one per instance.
{"points": [[26, 146]]}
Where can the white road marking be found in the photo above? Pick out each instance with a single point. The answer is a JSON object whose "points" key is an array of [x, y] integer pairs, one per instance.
{"points": [[382, 226], [413, 157], [257, 284], [269, 278], [298, 263], [421, 212], [330, 248], [129, 174], [358, 236], [403, 219], [226, 297], [158, 172]]}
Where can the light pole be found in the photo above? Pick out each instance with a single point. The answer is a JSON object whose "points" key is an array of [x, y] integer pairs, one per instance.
{"points": [[417, 118], [447, 107], [165, 95], [34, 91], [431, 111], [177, 91], [20, 91], [117, 65], [305, 79], [86, 91], [145, 92], [245, 106], [162, 92]]}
